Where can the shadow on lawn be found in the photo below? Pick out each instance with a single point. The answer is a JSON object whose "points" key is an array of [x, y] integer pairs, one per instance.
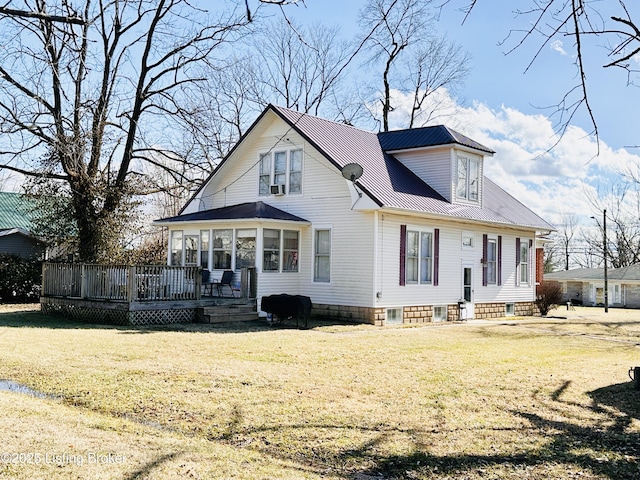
{"points": [[37, 319], [604, 448], [595, 448]]}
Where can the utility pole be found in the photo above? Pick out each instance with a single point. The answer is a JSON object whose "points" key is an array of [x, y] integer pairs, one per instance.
{"points": [[606, 280]]}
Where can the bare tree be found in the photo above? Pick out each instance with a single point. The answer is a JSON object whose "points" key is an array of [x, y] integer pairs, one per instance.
{"points": [[396, 25], [438, 64], [92, 87], [566, 233], [622, 204], [586, 23]]}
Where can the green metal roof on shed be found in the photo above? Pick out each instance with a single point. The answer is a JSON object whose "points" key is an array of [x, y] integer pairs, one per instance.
{"points": [[14, 212]]}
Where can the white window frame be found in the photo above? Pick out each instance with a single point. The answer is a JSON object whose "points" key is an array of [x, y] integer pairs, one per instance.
{"points": [[524, 275], [471, 192], [394, 316], [492, 264], [205, 248], [271, 251], [421, 258], [190, 255], [268, 176], [317, 255], [236, 250], [509, 309], [228, 250], [442, 317], [294, 253], [288, 258], [177, 248], [468, 239]]}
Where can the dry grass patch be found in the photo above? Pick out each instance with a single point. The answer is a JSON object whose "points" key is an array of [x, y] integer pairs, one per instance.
{"points": [[502, 400]]}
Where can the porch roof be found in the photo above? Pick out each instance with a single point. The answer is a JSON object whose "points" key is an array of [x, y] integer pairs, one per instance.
{"points": [[242, 211]]}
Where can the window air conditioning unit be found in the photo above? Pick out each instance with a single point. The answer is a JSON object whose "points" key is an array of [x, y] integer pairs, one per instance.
{"points": [[277, 189]]}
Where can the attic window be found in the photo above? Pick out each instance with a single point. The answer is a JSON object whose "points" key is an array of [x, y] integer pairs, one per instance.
{"points": [[281, 169], [468, 178]]}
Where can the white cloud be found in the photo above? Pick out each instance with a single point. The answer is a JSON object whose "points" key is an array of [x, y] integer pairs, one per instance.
{"points": [[558, 47], [552, 175]]}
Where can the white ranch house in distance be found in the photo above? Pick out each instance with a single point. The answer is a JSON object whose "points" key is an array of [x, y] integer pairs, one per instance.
{"points": [[585, 286], [391, 227]]}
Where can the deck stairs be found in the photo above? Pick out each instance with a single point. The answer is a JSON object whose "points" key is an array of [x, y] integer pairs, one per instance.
{"points": [[229, 310]]}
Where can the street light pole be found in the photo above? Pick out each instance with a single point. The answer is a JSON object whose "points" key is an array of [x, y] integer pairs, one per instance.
{"points": [[606, 280]]}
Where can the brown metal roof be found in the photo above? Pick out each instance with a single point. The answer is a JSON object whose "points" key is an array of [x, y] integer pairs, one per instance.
{"points": [[390, 184]]}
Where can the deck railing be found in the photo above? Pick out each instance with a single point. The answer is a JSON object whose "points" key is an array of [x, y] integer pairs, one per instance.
{"points": [[121, 283]]}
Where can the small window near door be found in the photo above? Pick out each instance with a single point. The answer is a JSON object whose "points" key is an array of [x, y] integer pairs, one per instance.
{"points": [[393, 316], [509, 309], [440, 313]]}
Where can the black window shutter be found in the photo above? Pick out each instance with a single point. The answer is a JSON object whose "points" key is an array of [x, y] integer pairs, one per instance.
{"points": [[436, 255], [499, 273], [517, 261], [485, 251]]}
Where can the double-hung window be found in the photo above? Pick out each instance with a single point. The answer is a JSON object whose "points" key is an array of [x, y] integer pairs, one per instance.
{"points": [[191, 249], [176, 247], [467, 185], [270, 250], [204, 249], [222, 248], [492, 261], [245, 248], [322, 256], [524, 262], [280, 168], [290, 247], [419, 257]]}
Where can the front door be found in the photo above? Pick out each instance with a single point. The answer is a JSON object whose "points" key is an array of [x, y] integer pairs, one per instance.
{"points": [[467, 312]]}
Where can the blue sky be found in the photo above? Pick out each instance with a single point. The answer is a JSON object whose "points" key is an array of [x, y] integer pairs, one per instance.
{"points": [[502, 107]]}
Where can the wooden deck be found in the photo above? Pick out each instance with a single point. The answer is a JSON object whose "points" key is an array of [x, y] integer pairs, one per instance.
{"points": [[138, 295]]}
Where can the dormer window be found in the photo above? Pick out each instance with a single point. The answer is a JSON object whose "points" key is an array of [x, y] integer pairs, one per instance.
{"points": [[280, 172], [467, 186]]}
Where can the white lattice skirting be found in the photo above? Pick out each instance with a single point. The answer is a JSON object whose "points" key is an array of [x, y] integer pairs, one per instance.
{"points": [[119, 315]]}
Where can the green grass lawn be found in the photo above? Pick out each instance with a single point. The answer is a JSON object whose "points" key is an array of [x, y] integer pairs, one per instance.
{"points": [[527, 398]]}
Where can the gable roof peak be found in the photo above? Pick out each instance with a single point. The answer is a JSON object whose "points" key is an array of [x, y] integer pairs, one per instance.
{"points": [[294, 116]]}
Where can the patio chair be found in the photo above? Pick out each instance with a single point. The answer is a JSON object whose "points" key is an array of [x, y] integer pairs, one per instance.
{"points": [[207, 282], [227, 278]]}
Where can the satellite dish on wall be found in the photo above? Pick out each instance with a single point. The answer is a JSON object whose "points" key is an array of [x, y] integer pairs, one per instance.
{"points": [[352, 171]]}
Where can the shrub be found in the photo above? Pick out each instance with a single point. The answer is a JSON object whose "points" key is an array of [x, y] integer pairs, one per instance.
{"points": [[20, 279], [548, 296]]}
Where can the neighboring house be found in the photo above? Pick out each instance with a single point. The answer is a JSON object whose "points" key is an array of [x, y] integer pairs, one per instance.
{"points": [[15, 228], [418, 234], [585, 286]]}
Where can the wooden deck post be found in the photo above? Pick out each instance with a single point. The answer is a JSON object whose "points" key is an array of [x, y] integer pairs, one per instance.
{"points": [[131, 291], [83, 281]]}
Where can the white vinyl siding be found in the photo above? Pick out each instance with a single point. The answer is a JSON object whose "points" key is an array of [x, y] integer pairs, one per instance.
{"points": [[453, 254], [432, 166]]}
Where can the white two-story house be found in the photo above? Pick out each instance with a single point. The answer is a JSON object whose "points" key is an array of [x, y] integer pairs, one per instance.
{"points": [[389, 227]]}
